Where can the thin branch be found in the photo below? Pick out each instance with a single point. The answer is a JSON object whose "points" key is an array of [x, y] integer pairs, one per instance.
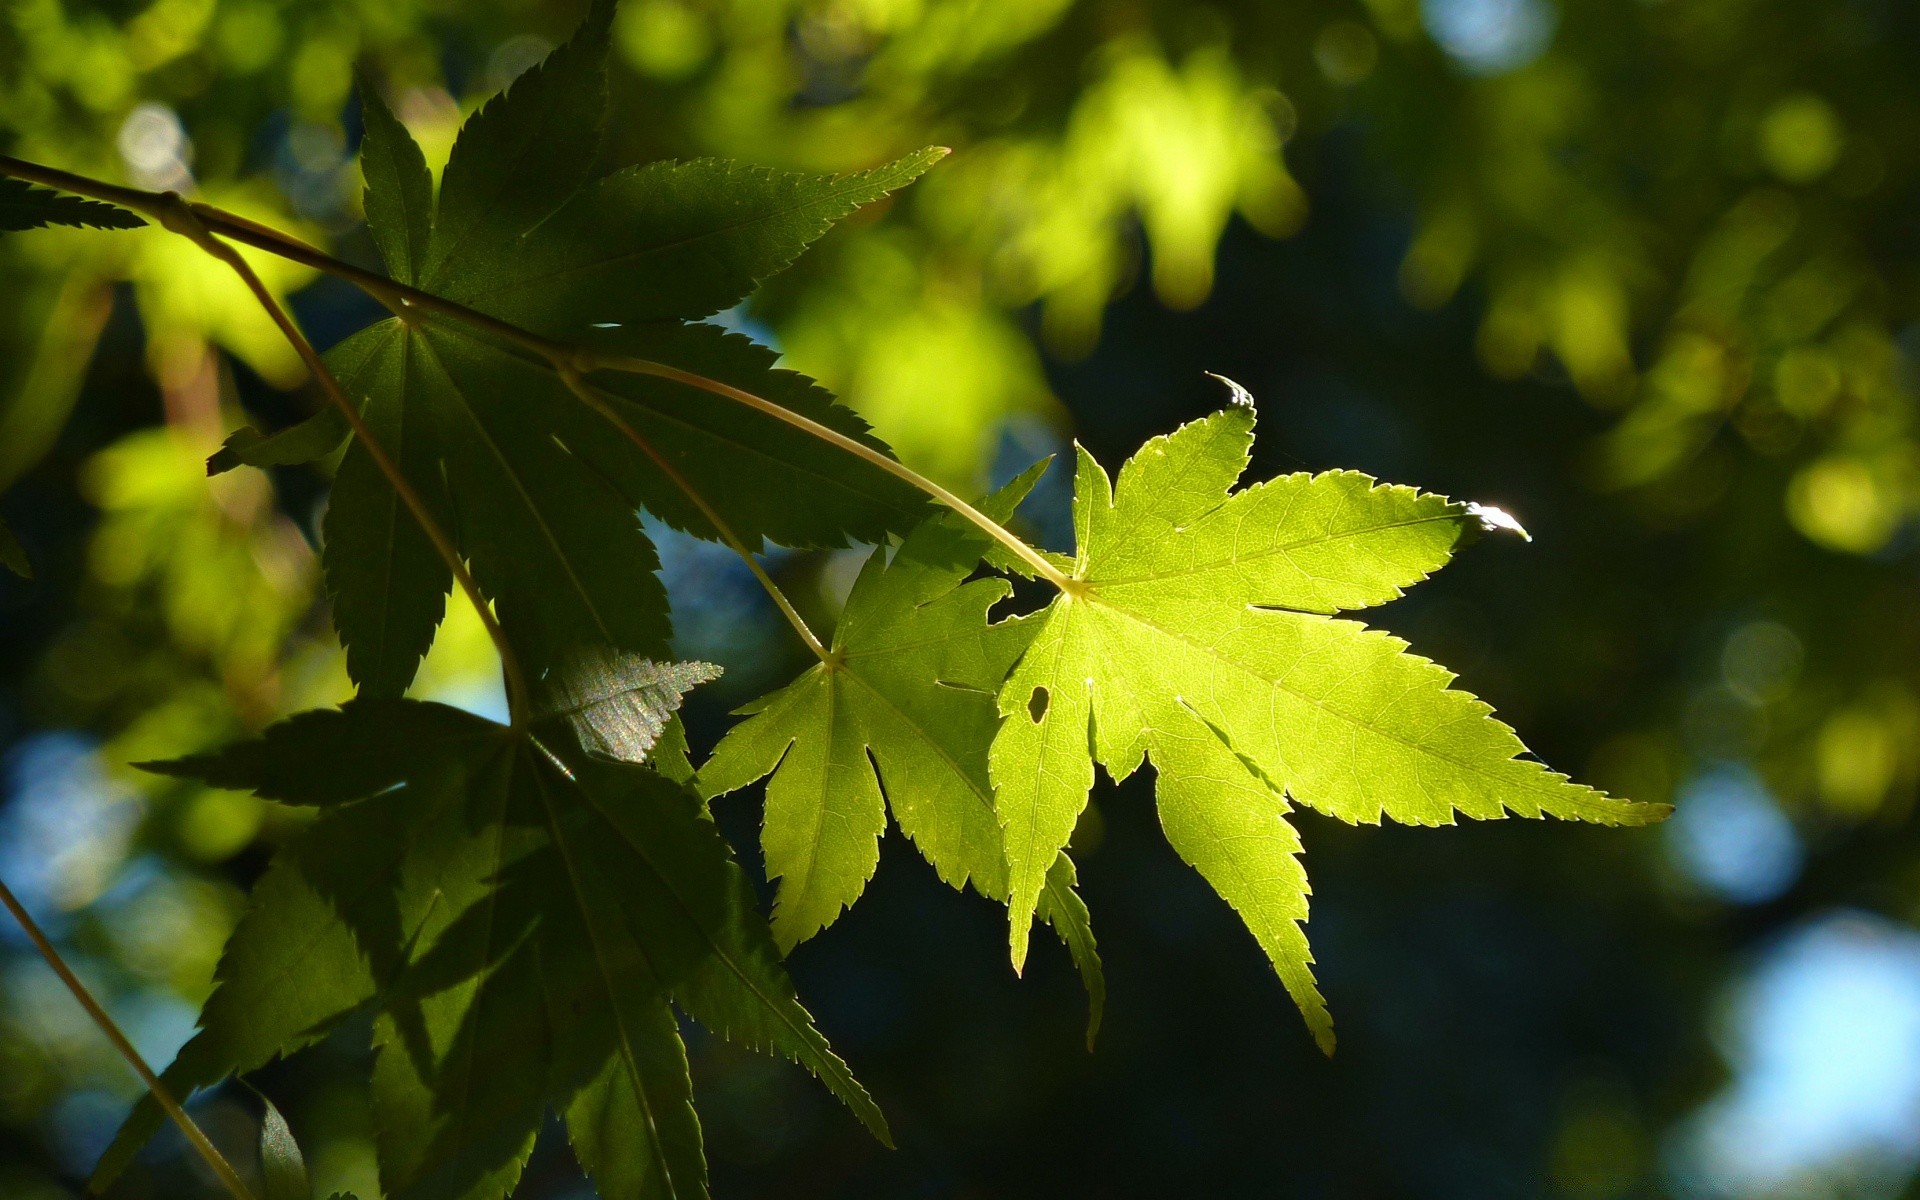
{"points": [[893, 466], [180, 218], [209, 1153], [559, 355], [596, 400]]}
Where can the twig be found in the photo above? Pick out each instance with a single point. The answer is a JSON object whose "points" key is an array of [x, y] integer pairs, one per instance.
{"points": [[559, 355], [208, 1152]]}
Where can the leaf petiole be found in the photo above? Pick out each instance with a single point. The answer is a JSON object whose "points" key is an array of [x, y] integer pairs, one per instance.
{"points": [[595, 400]]}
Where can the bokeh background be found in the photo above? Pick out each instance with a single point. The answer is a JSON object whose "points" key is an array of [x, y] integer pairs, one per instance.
{"points": [[1644, 272]]}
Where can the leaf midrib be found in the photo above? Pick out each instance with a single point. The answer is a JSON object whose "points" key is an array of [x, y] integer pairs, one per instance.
{"points": [[1287, 548], [526, 498], [1530, 784]]}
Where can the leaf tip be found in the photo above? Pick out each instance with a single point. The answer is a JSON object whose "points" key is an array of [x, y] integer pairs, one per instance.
{"points": [[1017, 944], [1497, 520], [1238, 394]]}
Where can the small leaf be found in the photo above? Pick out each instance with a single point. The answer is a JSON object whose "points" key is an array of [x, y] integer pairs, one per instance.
{"points": [[282, 1167], [707, 438], [23, 206], [900, 718], [670, 754], [314, 438], [1062, 908], [618, 704], [1194, 631], [329, 756], [668, 239], [387, 584], [645, 1087]]}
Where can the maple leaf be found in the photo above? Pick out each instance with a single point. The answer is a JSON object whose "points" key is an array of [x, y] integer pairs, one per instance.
{"points": [[522, 918], [1196, 630], [540, 490], [899, 717]]}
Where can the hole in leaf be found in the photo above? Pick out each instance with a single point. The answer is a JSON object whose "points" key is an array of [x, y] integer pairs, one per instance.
{"points": [[1037, 704]]}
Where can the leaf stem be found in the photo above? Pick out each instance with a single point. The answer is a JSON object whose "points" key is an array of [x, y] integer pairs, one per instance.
{"points": [[596, 400], [833, 437], [180, 217], [208, 1152], [559, 355]]}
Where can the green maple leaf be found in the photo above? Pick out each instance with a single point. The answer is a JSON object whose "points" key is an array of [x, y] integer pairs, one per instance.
{"points": [[522, 918], [898, 718], [540, 491], [1195, 630], [23, 206]]}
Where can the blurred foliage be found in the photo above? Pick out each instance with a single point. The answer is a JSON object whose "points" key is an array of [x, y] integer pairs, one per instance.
{"points": [[1647, 272]]}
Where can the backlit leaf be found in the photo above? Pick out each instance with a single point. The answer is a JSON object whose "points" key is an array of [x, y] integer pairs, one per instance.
{"points": [[900, 718], [1194, 632]]}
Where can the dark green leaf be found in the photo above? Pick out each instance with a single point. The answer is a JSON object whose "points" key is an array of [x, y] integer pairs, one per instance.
{"points": [[558, 548], [670, 754], [23, 206], [314, 438], [283, 1168], [748, 466], [333, 755], [666, 240], [387, 584], [644, 1087], [331, 917], [519, 928], [399, 195], [523, 155]]}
